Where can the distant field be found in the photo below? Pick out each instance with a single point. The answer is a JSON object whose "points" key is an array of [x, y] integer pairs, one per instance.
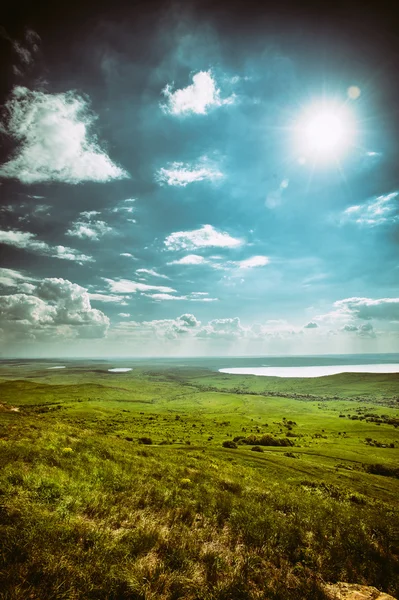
{"points": [[117, 485]]}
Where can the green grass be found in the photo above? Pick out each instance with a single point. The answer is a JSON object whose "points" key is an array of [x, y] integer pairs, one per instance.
{"points": [[87, 511]]}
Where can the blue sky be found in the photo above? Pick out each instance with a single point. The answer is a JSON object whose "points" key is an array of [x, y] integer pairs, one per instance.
{"points": [[160, 195]]}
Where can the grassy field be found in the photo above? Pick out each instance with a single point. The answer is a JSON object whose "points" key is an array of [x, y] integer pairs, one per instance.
{"points": [[120, 486]]}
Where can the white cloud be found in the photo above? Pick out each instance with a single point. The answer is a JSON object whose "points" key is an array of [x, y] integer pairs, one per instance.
{"points": [[201, 297], [164, 329], [55, 140], [254, 261], [206, 236], [125, 286], [231, 336], [193, 297], [166, 297], [124, 315], [374, 212], [28, 241], [127, 255], [215, 261], [223, 328], [56, 307], [12, 278], [181, 174], [190, 259], [231, 329], [196, 98], [125, 206], [21, 239], [66, 253], [384, 309], [151, 272], [107, 298], [88, 227]]}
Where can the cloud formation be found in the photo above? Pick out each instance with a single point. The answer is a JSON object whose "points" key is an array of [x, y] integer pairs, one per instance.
{"points": [[26, 52], [217, 262], [366, 330], [55, 140], [11, 278], [190, 259], [205, 237], [181, 174], [167, 329], [87, 227], [28, 241], [193, 297], [252, 262], [383, 309], [223, 329], [56, 307], [196, 98], [125, 286], [187, 329], [112, 298], [374, 212], [27, 212], [151, 272]]}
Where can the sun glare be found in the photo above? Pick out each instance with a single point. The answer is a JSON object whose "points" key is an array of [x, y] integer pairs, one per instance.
{"points": [[324, 132]]}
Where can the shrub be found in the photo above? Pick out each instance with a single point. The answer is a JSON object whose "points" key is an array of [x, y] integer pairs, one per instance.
{"points": [[256, 449], [229, 444], [266, 440], [145, 440], [384, 470]]}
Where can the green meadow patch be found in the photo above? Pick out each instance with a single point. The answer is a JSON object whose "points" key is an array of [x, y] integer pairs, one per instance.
{"points": [[183, 483]]}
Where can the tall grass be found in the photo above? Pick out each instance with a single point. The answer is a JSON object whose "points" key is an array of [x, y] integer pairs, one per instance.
{"points": [[88, 516]]}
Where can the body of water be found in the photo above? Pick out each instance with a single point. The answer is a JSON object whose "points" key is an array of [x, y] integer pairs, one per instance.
{"points": [[119, 370], [312, 370]]}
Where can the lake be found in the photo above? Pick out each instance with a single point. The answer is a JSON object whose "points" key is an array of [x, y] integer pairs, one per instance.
{"points": [[312, 371]]}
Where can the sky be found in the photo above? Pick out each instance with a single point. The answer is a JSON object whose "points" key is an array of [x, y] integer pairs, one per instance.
{"points": [[192, 179]]}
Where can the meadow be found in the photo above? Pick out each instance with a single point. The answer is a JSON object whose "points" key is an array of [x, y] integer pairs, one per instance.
{"points": [[182, 482]]}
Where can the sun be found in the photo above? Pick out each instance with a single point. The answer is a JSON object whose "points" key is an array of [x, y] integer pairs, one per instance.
{"points": [[324, 132]]}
